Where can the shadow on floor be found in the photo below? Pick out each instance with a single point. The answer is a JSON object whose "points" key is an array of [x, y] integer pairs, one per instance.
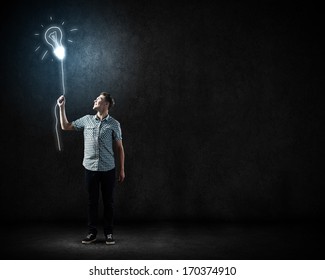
{"points": [[167, 240]]}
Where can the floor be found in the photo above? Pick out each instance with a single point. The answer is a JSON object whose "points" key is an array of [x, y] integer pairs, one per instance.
{"points": [[167, 240]]}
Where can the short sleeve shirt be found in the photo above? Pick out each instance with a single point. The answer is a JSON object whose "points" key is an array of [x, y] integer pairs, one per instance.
{"points": [[99, 136]]}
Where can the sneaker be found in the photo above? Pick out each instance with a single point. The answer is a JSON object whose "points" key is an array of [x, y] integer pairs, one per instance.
{"points": [[109, 239], [89, 239]]}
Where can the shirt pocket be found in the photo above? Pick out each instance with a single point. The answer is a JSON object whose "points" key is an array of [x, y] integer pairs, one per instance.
{"points": [[106, 133], [91, 132]]}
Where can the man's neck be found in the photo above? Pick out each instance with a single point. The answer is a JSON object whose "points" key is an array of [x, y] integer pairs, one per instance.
{"points": [[102, 115]]}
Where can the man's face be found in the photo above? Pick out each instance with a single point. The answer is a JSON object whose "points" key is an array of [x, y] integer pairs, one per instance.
{"points": [[100, 103]]}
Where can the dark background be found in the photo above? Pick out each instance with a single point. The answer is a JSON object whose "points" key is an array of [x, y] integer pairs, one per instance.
{"points": [[220, 105]]}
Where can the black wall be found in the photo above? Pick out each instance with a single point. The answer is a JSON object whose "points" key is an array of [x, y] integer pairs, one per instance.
{"points": [[220, 105]]}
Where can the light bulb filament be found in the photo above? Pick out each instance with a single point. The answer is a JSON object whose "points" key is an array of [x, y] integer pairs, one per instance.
{"points": [[53, 36]]}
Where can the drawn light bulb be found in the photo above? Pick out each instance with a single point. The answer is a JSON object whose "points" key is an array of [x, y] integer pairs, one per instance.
{"points": [[53, 36]]}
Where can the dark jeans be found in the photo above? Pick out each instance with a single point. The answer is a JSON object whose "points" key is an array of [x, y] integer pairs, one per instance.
{"points": [[104, 180]]}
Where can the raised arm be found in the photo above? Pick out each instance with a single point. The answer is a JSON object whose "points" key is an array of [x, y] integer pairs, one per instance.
{"points": [[65, 124]]}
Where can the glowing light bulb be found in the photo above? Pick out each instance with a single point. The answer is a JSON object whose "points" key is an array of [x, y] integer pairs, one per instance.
{"points": [[53, 36]]}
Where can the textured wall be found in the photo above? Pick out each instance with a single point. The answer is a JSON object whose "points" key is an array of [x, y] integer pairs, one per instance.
{"points": [[220, 107]]}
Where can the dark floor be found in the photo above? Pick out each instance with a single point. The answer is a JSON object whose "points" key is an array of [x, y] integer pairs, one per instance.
{"points": [[168, 240]]}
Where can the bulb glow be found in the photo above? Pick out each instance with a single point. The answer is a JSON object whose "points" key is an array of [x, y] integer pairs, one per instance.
{"points": [[59, 52], [53, 36]]}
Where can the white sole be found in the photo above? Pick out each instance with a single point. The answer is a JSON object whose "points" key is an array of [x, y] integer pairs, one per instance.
{"points": [[88, 242]]}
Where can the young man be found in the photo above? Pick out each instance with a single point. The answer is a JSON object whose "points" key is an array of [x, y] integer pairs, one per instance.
{"points": [[102, 136]]}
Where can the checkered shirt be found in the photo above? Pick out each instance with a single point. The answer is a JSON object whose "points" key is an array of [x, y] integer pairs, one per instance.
{"points": [[98, 141]]}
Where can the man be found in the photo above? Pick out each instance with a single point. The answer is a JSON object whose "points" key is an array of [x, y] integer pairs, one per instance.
{"points": [[102, 136]]}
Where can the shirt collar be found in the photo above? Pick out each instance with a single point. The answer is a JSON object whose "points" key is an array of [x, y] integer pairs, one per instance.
{"points": [[104, 119]]}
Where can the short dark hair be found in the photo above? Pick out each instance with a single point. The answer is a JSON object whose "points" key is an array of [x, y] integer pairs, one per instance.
{"points": [[109, 99]]}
